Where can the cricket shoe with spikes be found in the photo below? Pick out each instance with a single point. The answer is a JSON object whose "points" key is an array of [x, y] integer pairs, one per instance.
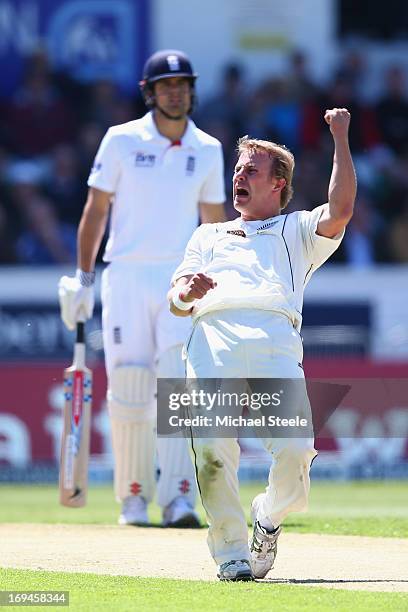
{"points": [[263, 545], [134, 511], [180, 513], [235, 571]]}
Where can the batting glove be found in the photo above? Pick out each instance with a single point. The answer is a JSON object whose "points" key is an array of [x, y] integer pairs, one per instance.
{"points": [[76, 297]]}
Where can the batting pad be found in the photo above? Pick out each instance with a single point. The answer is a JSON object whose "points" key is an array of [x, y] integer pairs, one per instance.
{"points": [[131, 392], [177, 475], [134, 452], [133, 420]]}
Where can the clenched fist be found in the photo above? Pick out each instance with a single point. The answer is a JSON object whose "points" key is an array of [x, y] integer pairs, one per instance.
{"points": [[339, 120], [197, 287]]}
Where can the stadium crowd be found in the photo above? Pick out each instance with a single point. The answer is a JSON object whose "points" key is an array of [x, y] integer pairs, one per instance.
{"points": [[51, 127]]}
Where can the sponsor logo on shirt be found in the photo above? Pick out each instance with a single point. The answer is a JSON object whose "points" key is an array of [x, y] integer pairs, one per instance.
{"points": [[145, 160], [237, 233], [190, 167]]}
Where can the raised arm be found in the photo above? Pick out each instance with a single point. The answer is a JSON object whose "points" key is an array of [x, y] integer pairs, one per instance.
{"points": [[343, 184]]}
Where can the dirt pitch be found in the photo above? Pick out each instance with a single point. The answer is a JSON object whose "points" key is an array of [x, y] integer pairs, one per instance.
{"points": [[346, 562]]}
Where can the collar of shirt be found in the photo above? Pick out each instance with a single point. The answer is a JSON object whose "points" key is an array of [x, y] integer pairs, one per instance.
{"points": [[150, 132], [253, 227]]}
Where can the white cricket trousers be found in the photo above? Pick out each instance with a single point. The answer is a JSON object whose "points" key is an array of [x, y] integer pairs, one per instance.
{"points": [[246, 343], [140, 331]]}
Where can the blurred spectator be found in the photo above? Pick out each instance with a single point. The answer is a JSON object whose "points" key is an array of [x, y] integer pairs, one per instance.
{"points": [[392, 111], [279, 115], [42, 239], [300, 84], [64, 185], [55, 118], [388, 184], [397, 236], [224, 114], [353, 68], [228, 105], [106, 106], [37, 118], [72, 91], [310, 182], [288, 107], [7, 251], [361, 234], [364, 132], [88, 139]]}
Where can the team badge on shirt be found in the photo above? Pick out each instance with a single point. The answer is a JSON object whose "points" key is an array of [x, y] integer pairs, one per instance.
{"points": [[117, 335], [190, 166], [96, 167], [145, 160]]}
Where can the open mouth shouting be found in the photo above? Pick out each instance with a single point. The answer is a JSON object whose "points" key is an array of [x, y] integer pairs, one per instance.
{"points": [[241, 194]]}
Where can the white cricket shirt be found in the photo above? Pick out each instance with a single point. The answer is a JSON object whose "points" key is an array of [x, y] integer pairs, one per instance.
{"points": [[157, 187], [258, 264]]}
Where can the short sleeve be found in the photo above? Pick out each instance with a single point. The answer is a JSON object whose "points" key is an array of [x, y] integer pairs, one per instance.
{"points": [[318, 248], [193, 261], [105, 170], [213, 189]]}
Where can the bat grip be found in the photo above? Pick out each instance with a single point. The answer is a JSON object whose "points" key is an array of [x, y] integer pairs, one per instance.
{"points": [[80, 332], [80, 327]]}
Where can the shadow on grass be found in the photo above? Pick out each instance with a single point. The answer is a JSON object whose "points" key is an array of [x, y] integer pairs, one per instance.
{"points": [[160, 526], [327, 581]]}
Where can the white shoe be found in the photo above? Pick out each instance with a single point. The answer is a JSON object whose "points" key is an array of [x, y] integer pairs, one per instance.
{"points": [[134, 511], [180, 513], [263, 545], [235, 571]]}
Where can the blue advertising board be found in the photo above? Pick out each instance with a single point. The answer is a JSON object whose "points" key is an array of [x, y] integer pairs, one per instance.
{"points": [[36, 332], [90, 39]]}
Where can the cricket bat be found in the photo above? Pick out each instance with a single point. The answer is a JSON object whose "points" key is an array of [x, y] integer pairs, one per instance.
{"points": [[73, 476]]}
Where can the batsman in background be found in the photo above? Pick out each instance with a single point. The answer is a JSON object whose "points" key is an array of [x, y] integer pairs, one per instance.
{"points": [[243, 283], [155, 176]]}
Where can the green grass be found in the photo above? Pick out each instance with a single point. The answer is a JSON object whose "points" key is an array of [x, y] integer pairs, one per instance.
{"points": [[95, 592], [377, 508], [361, 508]]}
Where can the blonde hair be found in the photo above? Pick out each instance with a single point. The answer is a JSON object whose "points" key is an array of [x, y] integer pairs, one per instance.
{"points": [[282, 166]]}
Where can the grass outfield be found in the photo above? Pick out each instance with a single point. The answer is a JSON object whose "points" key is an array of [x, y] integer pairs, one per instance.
{"points": [[376, 508], [358, 508], [95, 592]]}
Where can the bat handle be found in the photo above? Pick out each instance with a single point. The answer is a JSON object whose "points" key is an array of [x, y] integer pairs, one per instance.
{"points": [[80, 332], [79, 348], [80, 327]]}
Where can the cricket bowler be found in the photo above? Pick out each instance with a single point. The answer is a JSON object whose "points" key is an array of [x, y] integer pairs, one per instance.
{"points": [[242, 282]]}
